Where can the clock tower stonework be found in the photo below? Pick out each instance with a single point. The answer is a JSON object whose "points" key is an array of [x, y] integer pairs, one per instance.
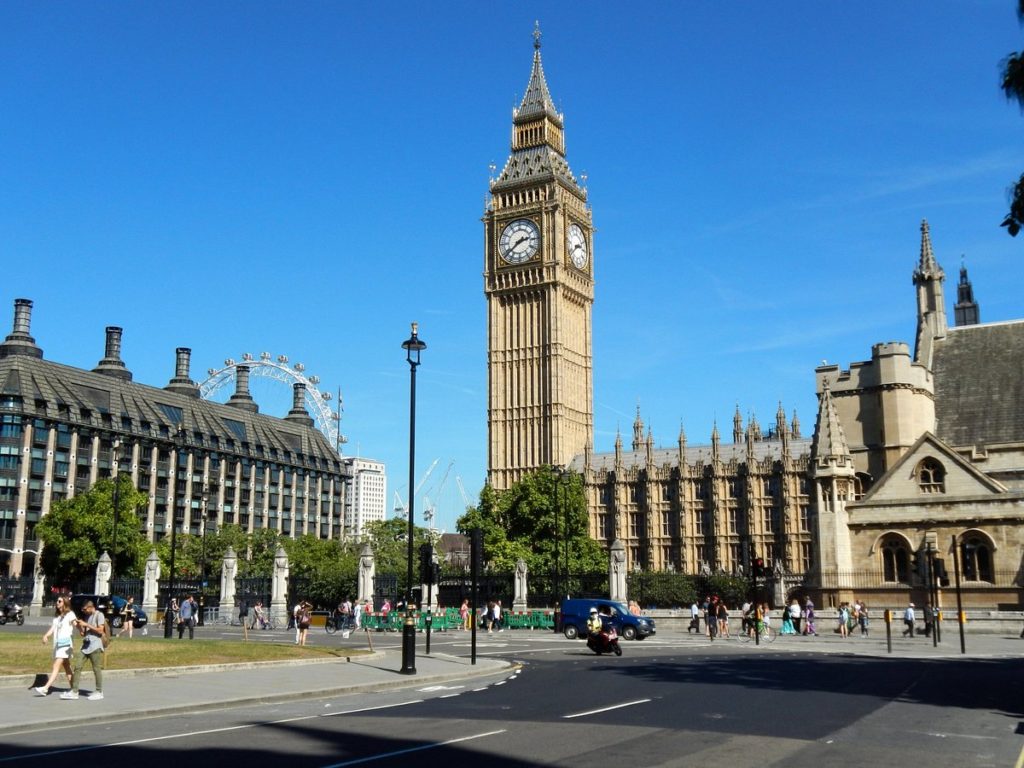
{"points": [[539, 284]]}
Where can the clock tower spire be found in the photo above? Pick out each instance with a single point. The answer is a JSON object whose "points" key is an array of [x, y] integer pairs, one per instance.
{"points": [[539, 284]]}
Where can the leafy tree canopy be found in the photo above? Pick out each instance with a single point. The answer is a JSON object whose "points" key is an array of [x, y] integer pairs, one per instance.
{"points": [[77, 531], [1013, 86], [537, 519]]}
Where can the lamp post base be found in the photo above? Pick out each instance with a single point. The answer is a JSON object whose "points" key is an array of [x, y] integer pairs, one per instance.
{"points": [[168, 624], [408, 646]]}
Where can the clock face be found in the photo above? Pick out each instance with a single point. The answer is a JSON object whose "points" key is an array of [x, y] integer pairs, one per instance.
{"points": [[577, 244], [519, 241]]}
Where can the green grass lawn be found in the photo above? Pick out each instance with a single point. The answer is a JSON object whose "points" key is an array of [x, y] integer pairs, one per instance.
{"points": [[24, 654]]}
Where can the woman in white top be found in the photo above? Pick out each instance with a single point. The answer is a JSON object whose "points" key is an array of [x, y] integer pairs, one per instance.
{"points": [[62, 629]]}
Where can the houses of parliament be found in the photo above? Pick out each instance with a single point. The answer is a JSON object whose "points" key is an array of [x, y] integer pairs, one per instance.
{"points": [[917, 450]]}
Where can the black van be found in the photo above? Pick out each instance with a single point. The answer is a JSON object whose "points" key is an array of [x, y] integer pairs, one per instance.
{"points": [[575, 613]]}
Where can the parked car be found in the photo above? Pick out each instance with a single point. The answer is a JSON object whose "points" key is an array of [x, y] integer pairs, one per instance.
{"points": [[110, 606], [576, 611]]}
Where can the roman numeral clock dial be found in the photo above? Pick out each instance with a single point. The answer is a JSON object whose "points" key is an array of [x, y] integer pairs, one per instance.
{"points": [[519, 241]]}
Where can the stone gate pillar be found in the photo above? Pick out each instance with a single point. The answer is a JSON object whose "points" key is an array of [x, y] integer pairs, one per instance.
{"points": [[519, 593], [151, 584], [617, 571], [367, 570], [228, 571], [279, 588], [38, 590], [103, 575]]}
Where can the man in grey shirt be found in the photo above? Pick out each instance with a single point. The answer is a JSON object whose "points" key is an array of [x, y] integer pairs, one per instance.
{"points": [[187, 617], [93, 628]]}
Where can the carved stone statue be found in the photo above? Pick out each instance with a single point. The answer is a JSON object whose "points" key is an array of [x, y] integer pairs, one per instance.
{"points": [[103, 575], [617, 571], [519, 595]]}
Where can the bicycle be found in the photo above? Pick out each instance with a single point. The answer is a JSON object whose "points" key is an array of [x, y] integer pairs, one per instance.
{"points": [[767, 634], [333, 623]]}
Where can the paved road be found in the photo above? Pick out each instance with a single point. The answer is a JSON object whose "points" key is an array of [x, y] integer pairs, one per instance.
{"points": [[667, 701]]}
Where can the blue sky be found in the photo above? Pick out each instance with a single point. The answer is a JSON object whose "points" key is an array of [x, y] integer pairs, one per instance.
{"points": [[306, 179]]}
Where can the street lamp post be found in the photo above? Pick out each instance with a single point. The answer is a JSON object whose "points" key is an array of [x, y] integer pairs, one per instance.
{"points": [[202, 583], [115, 474], [179, 439], [413, 346]]}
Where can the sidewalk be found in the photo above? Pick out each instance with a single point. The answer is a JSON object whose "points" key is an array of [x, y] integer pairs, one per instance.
{"points": [[138, 693]]}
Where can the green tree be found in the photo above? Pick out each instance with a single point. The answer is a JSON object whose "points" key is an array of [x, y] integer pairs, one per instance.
{"points": [[538, 519], [77, 531], [328, 566], [389, 540], [1013, 86]]}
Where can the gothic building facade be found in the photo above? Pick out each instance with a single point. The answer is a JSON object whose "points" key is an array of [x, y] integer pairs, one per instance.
{"points": [[199, 462], [913, 455]]}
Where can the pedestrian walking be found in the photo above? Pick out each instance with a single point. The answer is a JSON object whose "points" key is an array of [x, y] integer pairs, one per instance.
{"points": [[93, 629], [908, 619], [62, 629], [862, 619], [464, 613], [128, 617], [809, 616], [302, 621], [187, 617], [794, 615]]}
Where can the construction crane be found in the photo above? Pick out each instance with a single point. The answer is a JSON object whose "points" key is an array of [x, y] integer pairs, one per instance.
{"points": [[400, 508], [462, 491], [429, 510]]}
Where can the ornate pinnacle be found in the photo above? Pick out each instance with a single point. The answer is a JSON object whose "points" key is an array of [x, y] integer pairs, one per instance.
{"points": [[536, 35]]}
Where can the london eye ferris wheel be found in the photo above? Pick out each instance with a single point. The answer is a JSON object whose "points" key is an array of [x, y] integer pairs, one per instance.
{"points": [[326, 417]]}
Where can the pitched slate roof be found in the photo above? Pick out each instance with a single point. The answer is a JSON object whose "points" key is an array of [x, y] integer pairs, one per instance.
{"points": [[979, 384], [46, 388]]}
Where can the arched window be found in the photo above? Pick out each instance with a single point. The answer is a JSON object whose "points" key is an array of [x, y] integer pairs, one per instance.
{"points": [[931, 476], [976, 559], [895, 560]]}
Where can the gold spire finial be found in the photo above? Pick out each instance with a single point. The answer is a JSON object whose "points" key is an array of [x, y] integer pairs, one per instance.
{"points": [[536, 35]]}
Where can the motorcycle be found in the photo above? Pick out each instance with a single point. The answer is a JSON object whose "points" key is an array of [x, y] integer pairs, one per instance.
{"points": [[12, 613], [604, 642]]}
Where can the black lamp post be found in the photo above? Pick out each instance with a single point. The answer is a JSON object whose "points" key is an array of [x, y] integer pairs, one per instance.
{"points": [[179, 440], [115, 474], [202, 586], [413, 346]]}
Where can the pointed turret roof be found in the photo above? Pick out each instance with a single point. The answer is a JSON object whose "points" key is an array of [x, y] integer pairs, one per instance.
{"points": [[829, 447], [537, 98], [927, 266]]}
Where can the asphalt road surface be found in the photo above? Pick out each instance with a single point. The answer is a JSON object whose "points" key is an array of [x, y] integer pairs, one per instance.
{"points": [[660, 704]]}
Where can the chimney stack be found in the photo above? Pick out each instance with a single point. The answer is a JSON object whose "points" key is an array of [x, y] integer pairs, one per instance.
{"points": [[111, 364], [298, 412], [242, 399], [20, 341], [181, 383]]}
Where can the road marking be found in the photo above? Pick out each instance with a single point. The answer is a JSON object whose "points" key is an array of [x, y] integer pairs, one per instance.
{"points": [[605, 709], [431, 688], [1020, 759], [207, 732], [420, 748]]}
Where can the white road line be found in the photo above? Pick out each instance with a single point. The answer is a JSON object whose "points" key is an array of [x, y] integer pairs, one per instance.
{"points": [[605, 709], [420, 748], [226, 729]]}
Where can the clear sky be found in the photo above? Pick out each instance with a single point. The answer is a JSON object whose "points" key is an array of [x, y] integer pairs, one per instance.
{"points": [[307, 178]]}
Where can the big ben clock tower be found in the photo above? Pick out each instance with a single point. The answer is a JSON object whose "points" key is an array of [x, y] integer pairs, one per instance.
{"points": [[539, 283]]}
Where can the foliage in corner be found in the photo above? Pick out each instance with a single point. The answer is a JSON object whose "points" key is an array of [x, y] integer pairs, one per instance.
{"points": [[77, 531], [537, 519], [1013, 87]]}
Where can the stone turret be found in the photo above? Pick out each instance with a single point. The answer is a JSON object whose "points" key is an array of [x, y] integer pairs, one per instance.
{"points": [[831, 468], [20, 341], [241, 399], [111, 364], [181, 383], [931, 304], [966, 311]]}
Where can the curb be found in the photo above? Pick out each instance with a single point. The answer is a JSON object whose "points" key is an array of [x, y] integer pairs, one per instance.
{"points": [[16, 681], [92, 715]]}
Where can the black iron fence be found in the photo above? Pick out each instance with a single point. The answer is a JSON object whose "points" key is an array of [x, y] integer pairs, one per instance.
{"points": [[876, 580]]}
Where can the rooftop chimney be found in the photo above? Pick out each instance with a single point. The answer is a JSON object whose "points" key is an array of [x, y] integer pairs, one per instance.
{"points": [[298, 412], [181, 383], [111, 364], [20, 342], [242, 399]]}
